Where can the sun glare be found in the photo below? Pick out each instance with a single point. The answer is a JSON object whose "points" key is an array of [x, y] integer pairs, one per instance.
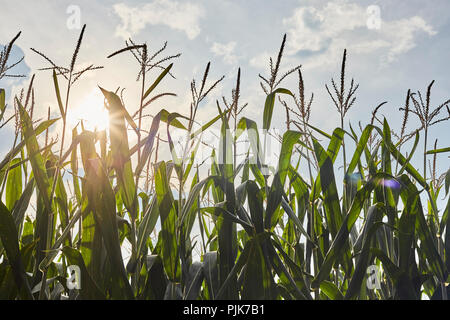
{"points": [[91, 111]]}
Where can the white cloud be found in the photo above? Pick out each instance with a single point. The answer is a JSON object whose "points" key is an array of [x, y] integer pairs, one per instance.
{"points": [[401, 34], [261, 60], [225, 50], [181, 16], [321, 33]]}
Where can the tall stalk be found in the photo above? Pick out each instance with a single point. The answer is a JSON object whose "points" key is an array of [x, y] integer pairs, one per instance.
{"points": [[59, 162]]}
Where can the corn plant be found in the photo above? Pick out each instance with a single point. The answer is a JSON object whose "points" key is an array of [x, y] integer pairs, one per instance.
{"points": [[263, 230]]}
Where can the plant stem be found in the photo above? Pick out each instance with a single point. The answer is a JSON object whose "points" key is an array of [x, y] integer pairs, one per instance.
{"points": [[55, 179], [343, 143], [425, 154]]}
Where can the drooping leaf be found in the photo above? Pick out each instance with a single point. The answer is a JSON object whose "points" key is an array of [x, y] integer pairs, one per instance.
{"points": [[13, 185], [269, 105], [10, 242], [120, 152], [89, 289], [157, 81], [330, 289]]}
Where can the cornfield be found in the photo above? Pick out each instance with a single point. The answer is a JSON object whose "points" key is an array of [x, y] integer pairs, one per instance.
{"points": [[226, 229]]}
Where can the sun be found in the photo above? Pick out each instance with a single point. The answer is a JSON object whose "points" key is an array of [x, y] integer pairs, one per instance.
{"points": [[91, 111]]}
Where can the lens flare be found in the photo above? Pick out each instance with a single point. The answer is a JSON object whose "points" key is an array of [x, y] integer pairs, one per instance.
{"points": [[390, 183]]}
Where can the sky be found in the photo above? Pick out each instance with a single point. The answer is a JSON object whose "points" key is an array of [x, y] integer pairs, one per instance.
{"points": [[392, 46]]}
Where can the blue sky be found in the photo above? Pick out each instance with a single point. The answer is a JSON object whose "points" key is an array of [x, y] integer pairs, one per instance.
{"points": [[408, 50]]}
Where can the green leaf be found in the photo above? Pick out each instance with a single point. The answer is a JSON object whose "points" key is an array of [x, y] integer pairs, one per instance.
{"points": [[194, 281], [38, 130], [211, 273], [147, 225], [332, 151], [408, 160], [295, 219], [21, 206], [53, 252], [276, 193], [120, 152], [74, 168], [241, 261], [2, 103], [91, 244], [9, 237], [340, 242], [157, 81], [257, 282], [205, 126], [284, 275], [13, 185], [442, 150], [58, 94], [156, 282], [269, 105], [445, 222], [422, 229], [290, 138], [373, 222], [102, 201], [167, 213], [319, 131], [255, 203], [149, 143], [36, 159], [170, 119], [447, 181], [391, 269], [192, 197], [400, 158], [298, 276], [89, 289], [253, 136], [406, 230], [330, 289], [2, 99], [362, 143], [329, 190], [222, 212], [227, 231]]}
